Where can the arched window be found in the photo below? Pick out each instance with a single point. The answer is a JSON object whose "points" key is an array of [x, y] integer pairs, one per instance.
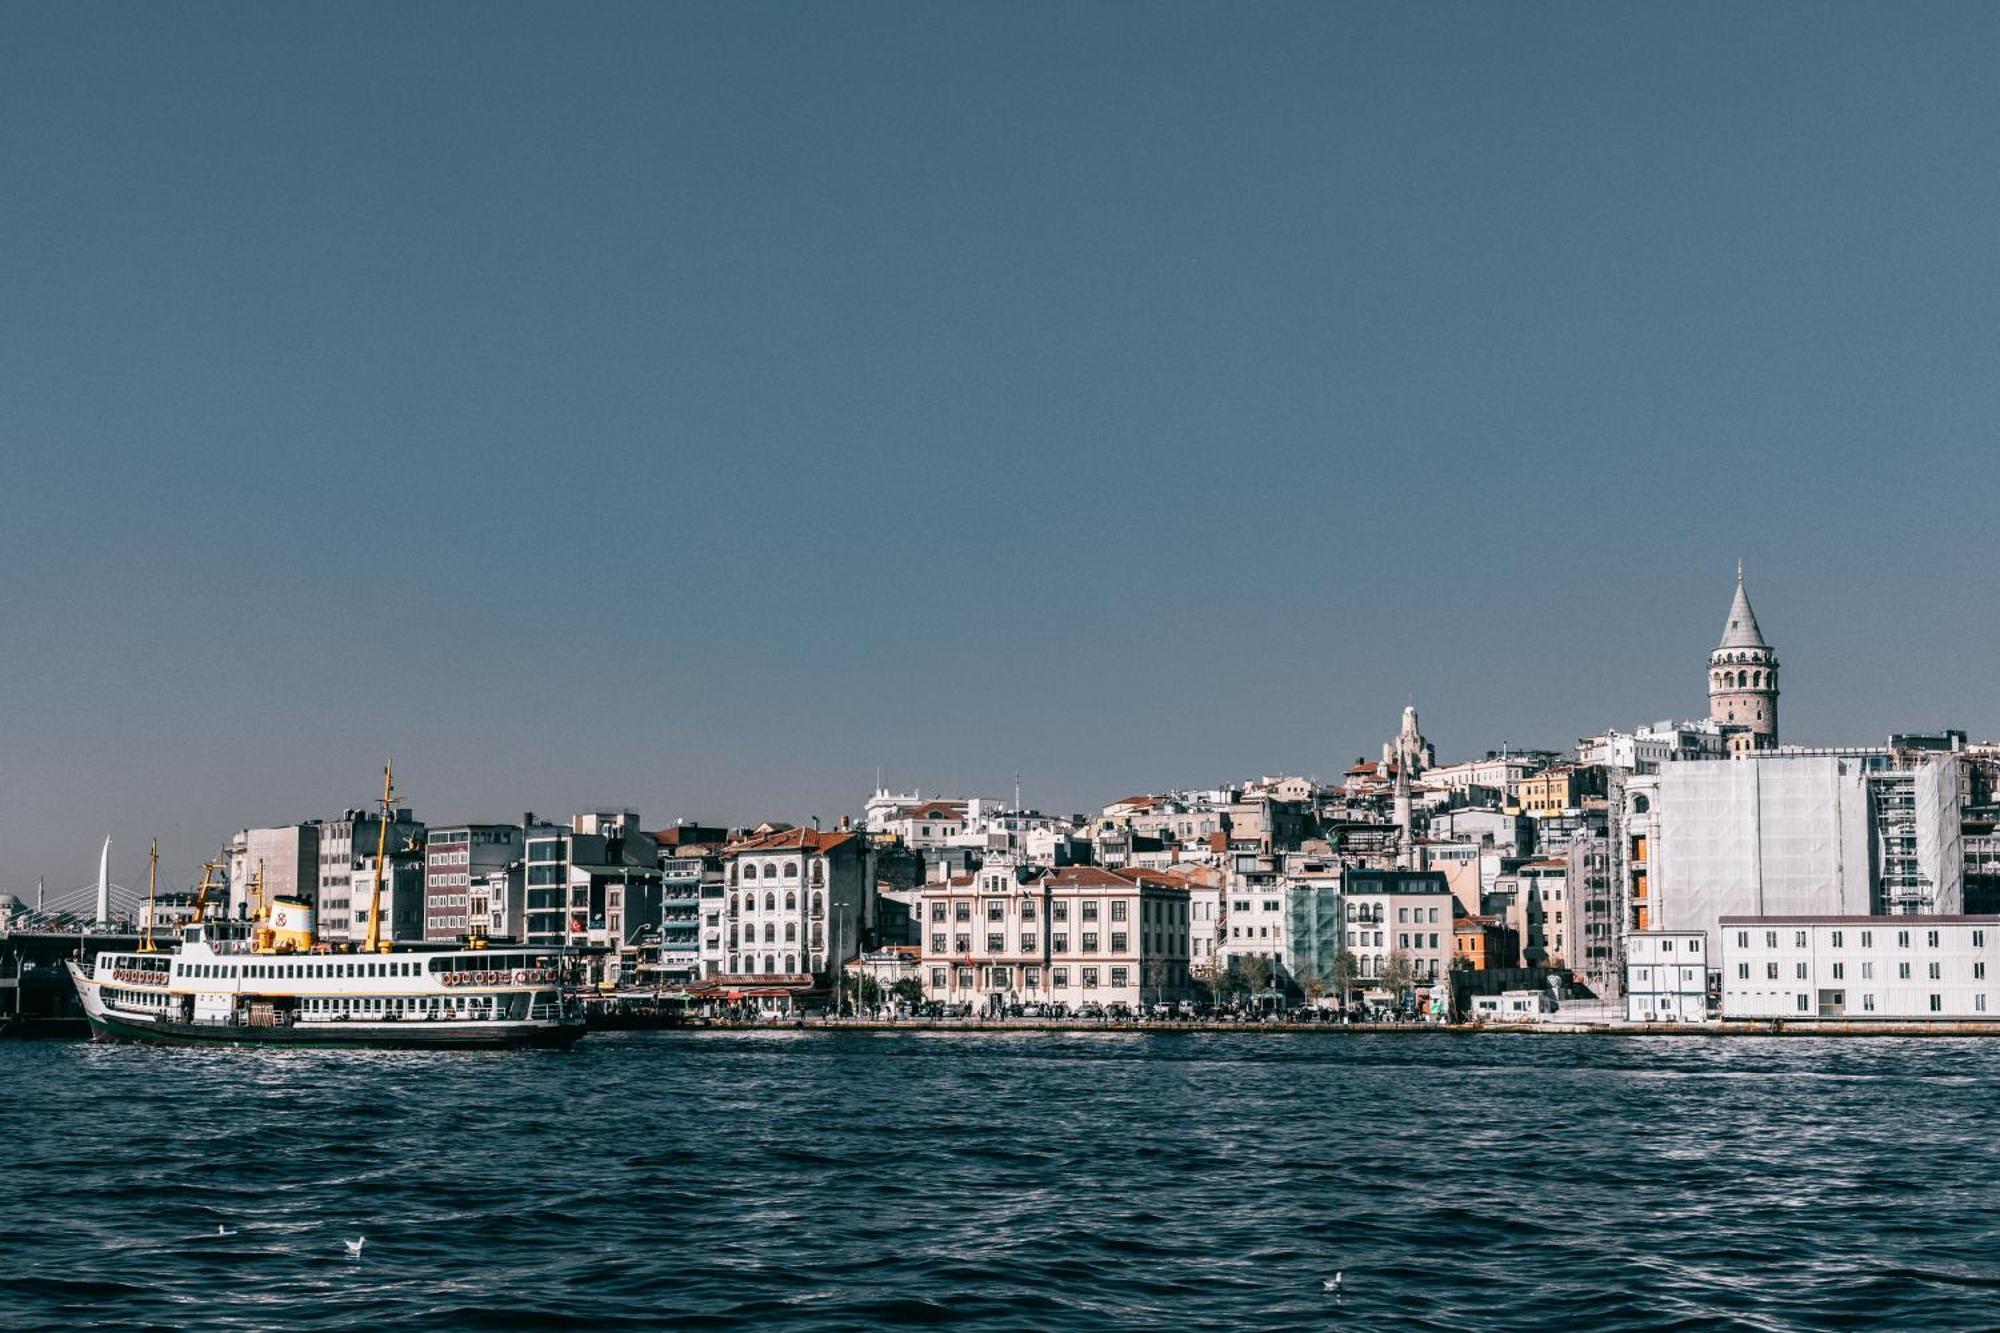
{"points": [[819, 872], [791, 932], [819, 962], [732, 905], [733, 868], [791, 901], [791, 870], [770, 932], [770, 962], [770, 902], [750, 871], [819, 904], [791, 962]]}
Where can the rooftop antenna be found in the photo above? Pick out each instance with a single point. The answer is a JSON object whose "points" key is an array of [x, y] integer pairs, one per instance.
{"points": [[1017, 791]]}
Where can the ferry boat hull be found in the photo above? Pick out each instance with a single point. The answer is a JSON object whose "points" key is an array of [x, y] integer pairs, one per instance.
{"points": [[112, 1028]]}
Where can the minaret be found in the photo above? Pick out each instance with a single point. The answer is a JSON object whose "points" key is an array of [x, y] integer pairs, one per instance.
{"points": [[1409, 749], [1743, 680], [1406, 847]]}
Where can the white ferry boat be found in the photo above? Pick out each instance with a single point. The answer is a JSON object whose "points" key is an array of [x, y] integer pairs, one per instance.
{"points": [[273, 982], [226, 991]]}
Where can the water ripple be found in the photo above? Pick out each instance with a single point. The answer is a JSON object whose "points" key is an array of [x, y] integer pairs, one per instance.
{"points": [[1007, 1181]]}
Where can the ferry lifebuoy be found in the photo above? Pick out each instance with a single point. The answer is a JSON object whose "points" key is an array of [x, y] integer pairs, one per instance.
{"points": [[520, 976]]}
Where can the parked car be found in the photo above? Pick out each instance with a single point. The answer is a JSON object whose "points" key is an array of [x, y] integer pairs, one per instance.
{"points": [[1090, 1009]]}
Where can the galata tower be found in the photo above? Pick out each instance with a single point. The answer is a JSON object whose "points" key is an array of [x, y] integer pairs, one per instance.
{"points": [[1743, 679]]}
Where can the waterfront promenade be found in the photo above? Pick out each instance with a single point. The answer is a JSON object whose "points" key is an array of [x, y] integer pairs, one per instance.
{"points": [[1545, 1028]]}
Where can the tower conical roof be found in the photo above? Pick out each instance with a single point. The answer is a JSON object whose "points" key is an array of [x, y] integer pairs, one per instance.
{"points": [[1741, 631]]}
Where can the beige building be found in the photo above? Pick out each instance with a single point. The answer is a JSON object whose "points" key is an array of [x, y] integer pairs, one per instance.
{"points": [[288, 858], [1398, 914], [1558, 790], [1533, 900], [1016, 934]]}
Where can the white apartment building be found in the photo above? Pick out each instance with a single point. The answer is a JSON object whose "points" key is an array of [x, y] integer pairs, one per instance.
{"points": [[1495, 772], [1861, 967], [799, 903], [343, 843], [402, 901], [1666, 976], [1253, 915], [1074, 935], [495, 902], [1644, 749]]}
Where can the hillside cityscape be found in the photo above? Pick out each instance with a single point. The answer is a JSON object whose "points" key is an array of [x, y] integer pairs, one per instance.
{"points": [[1624, 872]]}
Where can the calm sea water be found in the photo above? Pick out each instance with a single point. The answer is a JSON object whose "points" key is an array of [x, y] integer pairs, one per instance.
{"points": [[780, 1181]]}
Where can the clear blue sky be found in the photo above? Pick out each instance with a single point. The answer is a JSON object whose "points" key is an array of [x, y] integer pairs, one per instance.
{"points": [[691, 406]]}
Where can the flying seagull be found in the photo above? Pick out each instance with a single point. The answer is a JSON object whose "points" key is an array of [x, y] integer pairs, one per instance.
{"points": [[354, 1246], [1332, 1283]]}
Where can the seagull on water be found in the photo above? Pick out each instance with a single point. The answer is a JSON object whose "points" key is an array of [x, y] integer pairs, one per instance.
{"points": [[222, 1230], [354, 1246], [1332, 1283]]}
